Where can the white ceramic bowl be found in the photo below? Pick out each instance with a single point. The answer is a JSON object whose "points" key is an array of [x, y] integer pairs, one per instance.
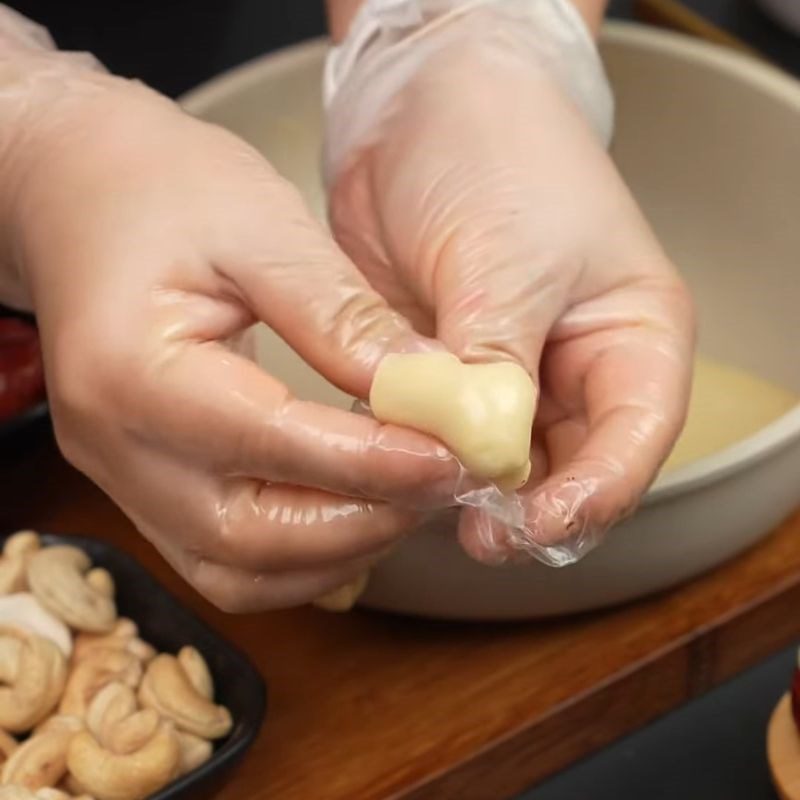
{"points": [[710, 142]]}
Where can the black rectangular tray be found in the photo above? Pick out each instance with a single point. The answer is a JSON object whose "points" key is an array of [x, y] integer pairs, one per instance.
{"points": [[168, 626]]}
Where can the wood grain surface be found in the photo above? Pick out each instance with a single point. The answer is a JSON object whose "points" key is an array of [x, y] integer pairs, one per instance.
{"points": [[367, 706], [678, 17]]}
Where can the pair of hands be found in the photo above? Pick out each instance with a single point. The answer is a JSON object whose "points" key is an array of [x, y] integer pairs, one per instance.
{"points": [[493, 224]]}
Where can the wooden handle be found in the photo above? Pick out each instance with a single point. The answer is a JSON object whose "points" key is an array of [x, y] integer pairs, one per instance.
{"points": [[674, 15]]}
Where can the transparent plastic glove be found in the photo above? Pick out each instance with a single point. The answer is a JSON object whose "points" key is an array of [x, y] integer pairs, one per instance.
{"points": [[470, 183], [148, 242]]}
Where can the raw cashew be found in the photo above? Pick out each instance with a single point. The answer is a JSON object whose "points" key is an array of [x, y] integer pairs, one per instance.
{"points": [[123, 636], [93, 672], [60, 722], [16, 793], [45, 793], [33, 683], [168, 689], [71, 786], [344, 598], [482, 412], [57, 576], [10, 652], [110, 776], [39, 761], [25, 612], [197, 671], [49, 793], [116, 722], [194, 751], [14, 561], [8, 744], [101, 580]]}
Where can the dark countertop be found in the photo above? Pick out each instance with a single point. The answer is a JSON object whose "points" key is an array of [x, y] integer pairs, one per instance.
{"points": [[712, 749]]}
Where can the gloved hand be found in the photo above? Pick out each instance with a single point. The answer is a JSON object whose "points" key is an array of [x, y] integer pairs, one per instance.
{"points": [[470, 183], [147, 242]]}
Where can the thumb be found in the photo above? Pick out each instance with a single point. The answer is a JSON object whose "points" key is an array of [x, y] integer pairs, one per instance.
{"points": [[294, 277], [493, 306]]}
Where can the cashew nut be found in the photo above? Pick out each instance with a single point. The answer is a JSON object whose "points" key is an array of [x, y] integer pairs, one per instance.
{"points": [[39, 761], [123, 636], [16, 793], [115, 721], [197, 671], [14, 561], [45, 793], [482, 412], [8, 744], [102, 581], [134, 776], [167, 688], [71, 786], [25, 612], [33, 680], [93, 672], [59, 722], [49, 793], [344, 598], [57, 576], [10, 651], [194, 751]]}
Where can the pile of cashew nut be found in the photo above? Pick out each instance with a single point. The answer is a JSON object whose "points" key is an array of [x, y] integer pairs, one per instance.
{"points": [[87, 708]]}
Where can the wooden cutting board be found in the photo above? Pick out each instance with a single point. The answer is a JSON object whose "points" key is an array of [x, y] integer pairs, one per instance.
{"points": [[369, 707]]}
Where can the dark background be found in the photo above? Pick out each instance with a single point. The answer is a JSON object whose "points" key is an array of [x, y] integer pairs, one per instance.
{"points": [[176, 44]]}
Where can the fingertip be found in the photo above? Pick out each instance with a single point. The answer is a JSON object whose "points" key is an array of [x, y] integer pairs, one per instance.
{"points": [[564, 519], [483, 538]]}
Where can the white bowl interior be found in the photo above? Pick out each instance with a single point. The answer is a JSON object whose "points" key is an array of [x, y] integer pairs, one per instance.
{"points": [[713, 161]]}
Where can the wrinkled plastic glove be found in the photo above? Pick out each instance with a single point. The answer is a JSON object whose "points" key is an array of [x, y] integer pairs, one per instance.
{"points": [[147, 242], [469, 181]]}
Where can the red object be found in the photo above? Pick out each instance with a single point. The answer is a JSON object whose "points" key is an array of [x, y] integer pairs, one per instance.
{"points": [[796, 695], [21, 370]]}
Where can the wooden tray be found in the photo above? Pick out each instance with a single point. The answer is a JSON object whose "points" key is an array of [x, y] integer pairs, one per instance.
{"points": [[372, 707]]}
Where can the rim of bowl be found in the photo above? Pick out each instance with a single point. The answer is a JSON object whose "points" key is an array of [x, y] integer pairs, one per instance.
{"points": [[781, 432]]}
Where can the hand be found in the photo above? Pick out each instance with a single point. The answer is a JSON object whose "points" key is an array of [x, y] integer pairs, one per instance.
{"points": [[149, 242], [471, 191]]}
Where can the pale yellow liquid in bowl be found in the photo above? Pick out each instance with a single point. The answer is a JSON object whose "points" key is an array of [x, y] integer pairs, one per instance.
{"points": [[727, 405]]}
